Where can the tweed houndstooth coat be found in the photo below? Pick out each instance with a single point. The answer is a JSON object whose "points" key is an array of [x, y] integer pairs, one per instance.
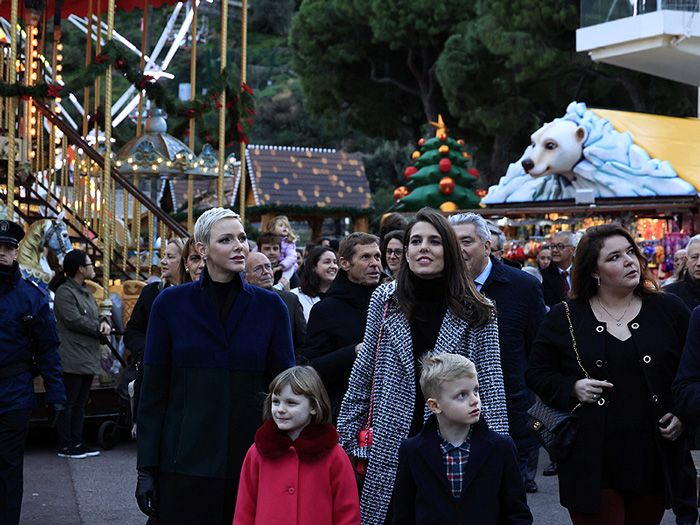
{"points": [[395, 390]]}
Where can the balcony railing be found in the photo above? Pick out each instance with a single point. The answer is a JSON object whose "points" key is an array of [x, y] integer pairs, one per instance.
{"points": [[600, 11]]}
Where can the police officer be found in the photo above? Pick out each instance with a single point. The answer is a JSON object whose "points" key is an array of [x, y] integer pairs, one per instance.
{"points": [[28, 342]]}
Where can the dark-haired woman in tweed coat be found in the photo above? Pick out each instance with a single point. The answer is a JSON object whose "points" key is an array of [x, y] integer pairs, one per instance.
{"points": [[431, 307]]}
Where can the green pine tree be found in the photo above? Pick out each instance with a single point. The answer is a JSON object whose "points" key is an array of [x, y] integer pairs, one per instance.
{"points": [[441, 177]]}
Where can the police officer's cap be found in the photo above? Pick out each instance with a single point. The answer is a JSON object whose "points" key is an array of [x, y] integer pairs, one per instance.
{"points": [[10, 233]]}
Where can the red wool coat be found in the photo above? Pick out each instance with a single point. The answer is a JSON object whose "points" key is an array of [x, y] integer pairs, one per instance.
{"points": [[308, 481]]}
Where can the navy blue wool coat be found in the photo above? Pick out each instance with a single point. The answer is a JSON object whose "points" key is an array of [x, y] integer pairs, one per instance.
{"points": [[519, 309], [492, 492], [686, 388], [203, 379]]}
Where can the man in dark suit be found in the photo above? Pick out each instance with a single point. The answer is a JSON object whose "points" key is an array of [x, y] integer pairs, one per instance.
{"points": [[556, 279], [259, 273], [520, 309]]}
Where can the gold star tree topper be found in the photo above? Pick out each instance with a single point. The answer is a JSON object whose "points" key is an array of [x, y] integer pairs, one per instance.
{"points": [[441, 129]]}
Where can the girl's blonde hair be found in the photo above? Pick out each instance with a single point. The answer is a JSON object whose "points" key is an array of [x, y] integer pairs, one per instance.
{"points": [[291, 236], [304, 381]]}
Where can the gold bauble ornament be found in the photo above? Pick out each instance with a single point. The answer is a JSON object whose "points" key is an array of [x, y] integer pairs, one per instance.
{"points": [[448, 206]]}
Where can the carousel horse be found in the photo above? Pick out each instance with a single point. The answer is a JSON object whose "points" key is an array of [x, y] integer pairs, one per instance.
{"points": [[51, 234]]}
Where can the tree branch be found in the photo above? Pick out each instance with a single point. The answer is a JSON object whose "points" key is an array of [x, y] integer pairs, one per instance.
{"points": [[387, 80]]}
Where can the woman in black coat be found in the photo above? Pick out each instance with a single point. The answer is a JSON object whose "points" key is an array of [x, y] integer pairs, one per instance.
{"points": [[627, 462]]}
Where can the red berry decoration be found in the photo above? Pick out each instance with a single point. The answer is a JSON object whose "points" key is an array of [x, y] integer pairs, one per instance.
{"points": [[474, 172], [447, 185], [400, 192], [445, 165]]}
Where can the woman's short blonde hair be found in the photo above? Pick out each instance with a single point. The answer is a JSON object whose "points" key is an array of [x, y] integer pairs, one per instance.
{"points": [[304, 381], [439, 368], [203, 226]]}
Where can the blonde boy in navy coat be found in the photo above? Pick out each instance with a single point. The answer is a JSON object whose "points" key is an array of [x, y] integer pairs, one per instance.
{"points": [[457, 470]]}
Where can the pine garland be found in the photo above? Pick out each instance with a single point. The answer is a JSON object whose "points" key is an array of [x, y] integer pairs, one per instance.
{"points": [[240, 101]]}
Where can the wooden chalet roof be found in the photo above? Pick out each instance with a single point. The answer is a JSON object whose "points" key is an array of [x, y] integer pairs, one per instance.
{"points": [[281, 176]]}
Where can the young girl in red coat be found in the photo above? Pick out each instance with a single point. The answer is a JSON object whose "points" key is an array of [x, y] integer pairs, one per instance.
{"points": [[296, 473]]}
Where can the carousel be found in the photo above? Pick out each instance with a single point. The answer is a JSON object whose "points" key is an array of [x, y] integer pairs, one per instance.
{"points": [[66, 172]]}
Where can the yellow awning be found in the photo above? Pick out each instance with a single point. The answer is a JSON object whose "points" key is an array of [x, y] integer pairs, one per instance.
{"points": [[674, 139]]}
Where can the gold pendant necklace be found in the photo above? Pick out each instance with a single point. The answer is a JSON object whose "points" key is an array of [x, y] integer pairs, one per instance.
{"points": [[618, 320]]}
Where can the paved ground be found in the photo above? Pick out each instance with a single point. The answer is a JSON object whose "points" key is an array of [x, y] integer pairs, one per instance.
{"points": [[99, 490]]}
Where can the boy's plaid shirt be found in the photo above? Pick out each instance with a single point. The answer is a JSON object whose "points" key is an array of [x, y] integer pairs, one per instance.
{"points": [[455, 459]]}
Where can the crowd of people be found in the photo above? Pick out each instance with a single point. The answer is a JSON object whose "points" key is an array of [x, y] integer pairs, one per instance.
{"points": [[422, 346]]}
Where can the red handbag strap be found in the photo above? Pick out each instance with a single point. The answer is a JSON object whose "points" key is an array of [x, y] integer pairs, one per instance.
{"points": [[374, 370]]}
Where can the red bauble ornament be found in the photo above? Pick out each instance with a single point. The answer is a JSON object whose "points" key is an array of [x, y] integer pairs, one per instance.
{"points": [[447, 185], [421, 142], [474, 172], [409, 172], [445, 165], [400, 192]]}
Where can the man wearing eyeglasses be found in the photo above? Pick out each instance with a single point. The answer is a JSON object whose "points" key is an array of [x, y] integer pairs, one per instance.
{"points": [[259, 273], [556, 279]]}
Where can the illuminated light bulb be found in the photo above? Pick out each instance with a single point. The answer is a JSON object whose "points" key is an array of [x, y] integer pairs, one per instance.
{"points": [[33, 110], [33, 76], [58, 100], [59, 67], [35, 42], [59, 78], [58, 109], [59, 57], [33, 121], [35, 65], [59, 47]]}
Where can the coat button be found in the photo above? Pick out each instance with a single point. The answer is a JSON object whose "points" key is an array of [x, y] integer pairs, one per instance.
{"points": [[599, 363], [601, 401], [654, 399], [634, 326], [290, 490], [646, 359], [599, 329]]}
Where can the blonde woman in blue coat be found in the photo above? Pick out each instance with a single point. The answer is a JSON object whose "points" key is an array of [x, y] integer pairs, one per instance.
{"points": [[211, 348]]}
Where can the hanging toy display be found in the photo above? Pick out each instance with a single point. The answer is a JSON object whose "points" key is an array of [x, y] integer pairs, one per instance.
{"points": [[441, 177]]}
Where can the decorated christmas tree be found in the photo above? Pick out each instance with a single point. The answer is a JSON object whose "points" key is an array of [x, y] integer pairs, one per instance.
{"points": [[442, 175]]}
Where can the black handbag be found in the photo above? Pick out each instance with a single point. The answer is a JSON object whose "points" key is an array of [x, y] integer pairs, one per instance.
{"points": [[556, 429]]}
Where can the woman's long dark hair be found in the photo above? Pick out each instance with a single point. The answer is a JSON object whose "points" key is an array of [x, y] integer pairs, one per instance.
{"points": [[462, 297], [72, 262], [583, 285], [309, 281]]}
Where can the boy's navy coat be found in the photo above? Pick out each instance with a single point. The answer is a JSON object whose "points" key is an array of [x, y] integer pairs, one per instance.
{"points": [[492, 490], [203, 378]]}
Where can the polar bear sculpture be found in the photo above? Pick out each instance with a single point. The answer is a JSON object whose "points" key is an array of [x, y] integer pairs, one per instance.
{"points": [[584, 151]]}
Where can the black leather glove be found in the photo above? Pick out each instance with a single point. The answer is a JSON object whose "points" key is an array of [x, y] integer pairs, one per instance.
{"points": [[53, 412], [146, 492]]}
